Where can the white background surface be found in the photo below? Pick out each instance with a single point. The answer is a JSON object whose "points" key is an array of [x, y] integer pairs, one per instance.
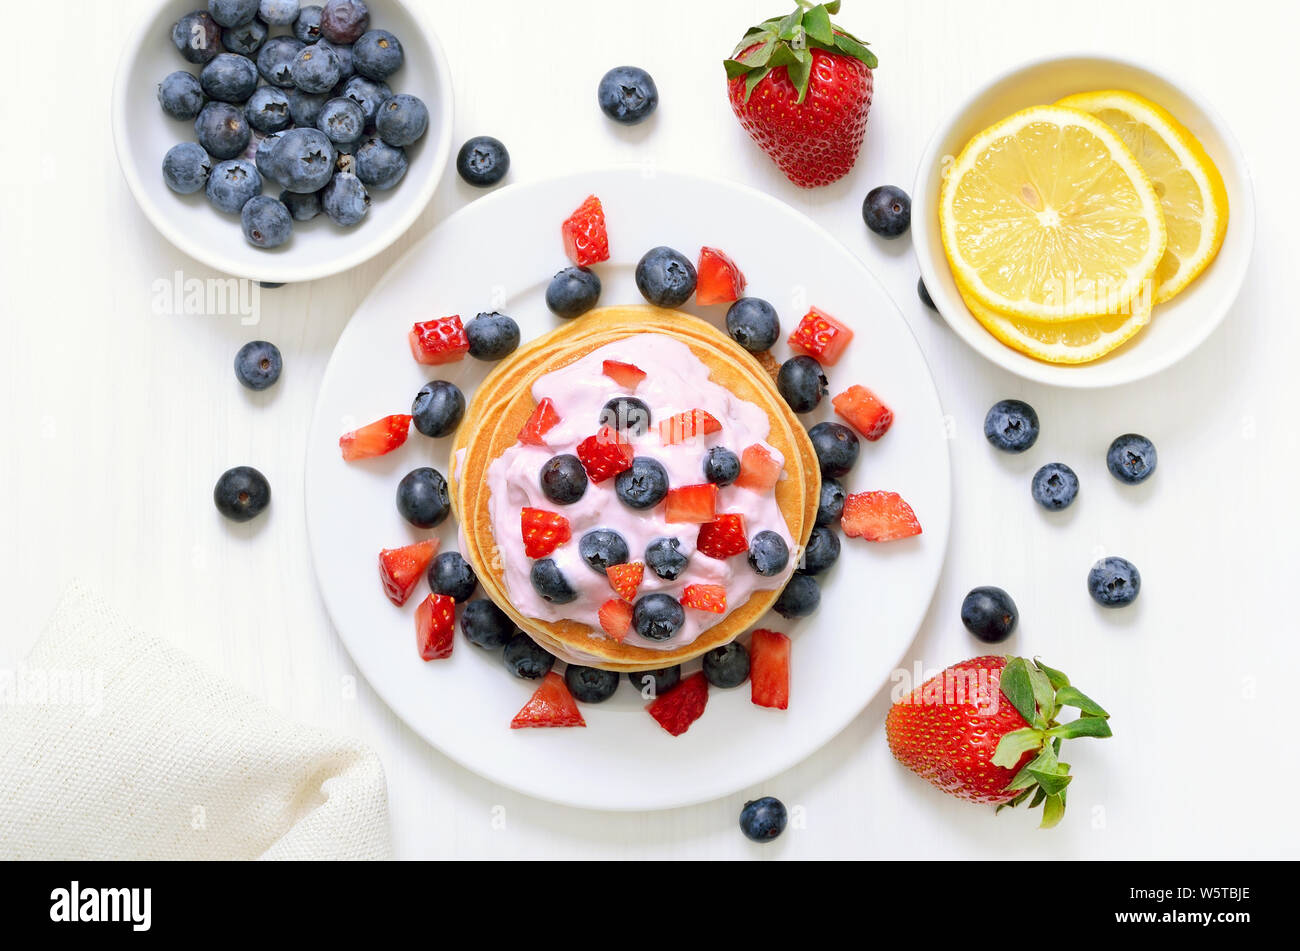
{"points": [[118, 421]]}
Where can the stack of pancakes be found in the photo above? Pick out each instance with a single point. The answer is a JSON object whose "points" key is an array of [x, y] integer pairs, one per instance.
{"points": [[503, 404]]}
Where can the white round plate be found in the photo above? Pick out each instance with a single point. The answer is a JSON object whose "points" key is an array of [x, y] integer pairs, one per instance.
{"points": [[499, 254]]}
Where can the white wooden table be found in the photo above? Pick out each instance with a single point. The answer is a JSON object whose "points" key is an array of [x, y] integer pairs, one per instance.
{"points": [[118, 419]]}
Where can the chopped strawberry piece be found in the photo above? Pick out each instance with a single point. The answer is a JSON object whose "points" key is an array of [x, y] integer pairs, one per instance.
{"points": [[719, 281], [705, 597], [605, 454], [441, 340], [864, 411], [696, 504], [759, 469], [550, 705], [585, 238], [688, 425], [543, 418], [435, 626], [820, 336], [676, 709], [615, 618], [543, 531], [769, 669], [382, 436], [878, 517], [624, 374], [400, 569], [723, 537], [625, 579]]}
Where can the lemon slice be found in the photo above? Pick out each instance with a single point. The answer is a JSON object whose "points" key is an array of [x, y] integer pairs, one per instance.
{"points": [[1191, 191], [1063, 341], [1046, 215]]}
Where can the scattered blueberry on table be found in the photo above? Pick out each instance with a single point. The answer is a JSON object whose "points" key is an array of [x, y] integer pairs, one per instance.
{"points": [[1131, 458], [923, 292], [1114, 582], [241, 493], [989, 614], [1011, 425], [482, 161], [887, 210], [762, 820], [258, 364], [1054, 486], [627, 94]]}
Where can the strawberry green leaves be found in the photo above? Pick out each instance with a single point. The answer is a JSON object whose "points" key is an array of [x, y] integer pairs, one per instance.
{"points": [[1039, 693], [789, 41]]}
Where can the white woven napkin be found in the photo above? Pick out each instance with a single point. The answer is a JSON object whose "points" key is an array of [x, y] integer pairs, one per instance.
{"points": [[114, 745]]}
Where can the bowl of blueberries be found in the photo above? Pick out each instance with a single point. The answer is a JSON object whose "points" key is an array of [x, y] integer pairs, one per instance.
{"points": [[279, 140]]}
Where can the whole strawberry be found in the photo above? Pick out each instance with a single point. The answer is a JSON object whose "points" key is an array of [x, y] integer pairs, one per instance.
{"points": [[986, 730], [801, 87]]}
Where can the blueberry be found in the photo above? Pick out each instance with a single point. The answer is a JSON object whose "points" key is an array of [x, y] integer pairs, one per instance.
{"points": [[664, 557], [345, 199], [627, 94], [197, 36], [1131, 458], [820, 553], [232, 184], [304, 158], [830, 505], [367, 94], [721, 466], [563, 479], [572, 292], [482, 161], [644, 485], [524, 658], [342, 121], [232, 12], [267, 110], [752, 323], [245, 40], [836, 447], [377, 54], [602, 547], [727, 666], [486, 625], [665, 278], [801, 383], [343, 53], [651, 683], [658, 616], [550, 583], [229, 78], [1114, 582], [343, 21], [262, 160], [306, 107], [451, 574], [315, 69], [422, 497], [307, 27], [438, 408], [402, 119], [590, 684], [799, 598], [492, 336], [924, 293], [301, 207], [1055, 485], [181, 95], [222, 130], [762, 820], [1011, 425], [186, 167], [887, 210], [278, 12], [379, 165], [275, 60], [241, 493], [627, 414], [989, 614], [258, 364], [768, 553]]}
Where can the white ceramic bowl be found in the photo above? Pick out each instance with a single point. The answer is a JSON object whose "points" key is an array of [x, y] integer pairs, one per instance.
{"points": [[143, 133], [1177, 327]]}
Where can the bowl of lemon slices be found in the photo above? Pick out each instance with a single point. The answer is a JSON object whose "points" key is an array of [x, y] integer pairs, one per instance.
{"points": [[1083, 221]]}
